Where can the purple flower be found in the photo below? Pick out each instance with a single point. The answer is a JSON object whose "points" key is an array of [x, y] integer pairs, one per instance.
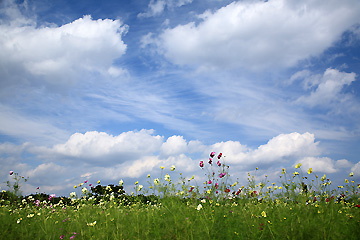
{"points": [[51, 196], [11, 172]]}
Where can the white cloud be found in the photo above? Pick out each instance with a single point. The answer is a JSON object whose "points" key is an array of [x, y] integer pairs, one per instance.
{"points": [[174, 145], [256, 35], [286, 147], [57, 55], [356, 169], [102, 145], [156, 7], [328, 87], [319, 164]]}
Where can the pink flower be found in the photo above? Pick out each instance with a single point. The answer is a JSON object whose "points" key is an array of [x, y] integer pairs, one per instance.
{"points": [[209, 182], [11, 172], [212, 154], [218, 163], [210, 161], [38, 188], [201, 163], [62, 236], [219, 156], [86, 181], [216, 185], [221, 175], [51, 196]]}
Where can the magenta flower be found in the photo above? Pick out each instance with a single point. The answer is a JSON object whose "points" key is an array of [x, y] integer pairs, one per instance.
{"points": [[51, 196], [219, 156], [210, 161], [11, 172], [212, 154], [218, 163], [209, 182], [221, 175], [201, 163], [86, 181], [62, 236], [216, 185]]}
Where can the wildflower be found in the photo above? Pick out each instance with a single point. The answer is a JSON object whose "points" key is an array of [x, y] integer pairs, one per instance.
{"points": [[253, 194], [19, 220], [298, 165], [263, 213], [219, 156], [216, 185], [172, 168], [212, 154], [121, 182], [167, 177], [162, 168], [238, 192], [235, 183], [210, 161], [148, 176], [136, 183], [323, 178], [283, 171], [221, 175], [346, 181], [295, 173], [203, 200], [51, 196], [201, 163], [11, 172], [108, 188], [218, 163], [140, 187], [91, 224], [156, 181], [72, 195], [62, 236], [351, 174], [227, 190], [209, 182], [191, 188], [199, 207], [209, 191], [86, 181], [84, 190], [193, 176], [98, 182], [75, 186], [30, 215], [310, 171]]}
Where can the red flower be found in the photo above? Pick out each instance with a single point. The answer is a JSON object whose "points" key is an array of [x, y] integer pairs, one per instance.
{"points": [[254, 194], [357, 205], [201, 163], [238, 192], [212, 154], [210, 161], [227, 190], [191, 189], [219, 156], [218, 163]]}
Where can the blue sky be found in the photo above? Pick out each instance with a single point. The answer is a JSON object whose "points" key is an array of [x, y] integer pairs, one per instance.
{"points": [[113, 90]]}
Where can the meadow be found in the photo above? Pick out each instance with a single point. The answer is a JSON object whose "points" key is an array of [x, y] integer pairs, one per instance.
{"points": [[301, 205]]}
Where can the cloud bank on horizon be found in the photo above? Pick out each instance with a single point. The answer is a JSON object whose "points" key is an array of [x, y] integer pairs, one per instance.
{"points": [[114, 90]]}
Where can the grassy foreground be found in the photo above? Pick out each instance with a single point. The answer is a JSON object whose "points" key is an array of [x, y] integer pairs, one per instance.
{"points": [[300, 207]]}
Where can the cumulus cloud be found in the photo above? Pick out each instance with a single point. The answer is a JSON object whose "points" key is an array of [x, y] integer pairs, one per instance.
{"points": [[156, 7], [134, 154], [259, 34], [56, 55], [329, 87]]}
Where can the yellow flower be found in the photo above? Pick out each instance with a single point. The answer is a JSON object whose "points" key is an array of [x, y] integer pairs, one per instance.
{"points": [[346, 181], [295, 173], [156, 181], [162, 167], [351, 174], [235, 183], [310, 171], [263, 213], [208, 191], [148, 176], [298, 165], [121, 182], [136, 183], [98, 182], [283, 171], [323, 178], [75, 186], [172, 168]]}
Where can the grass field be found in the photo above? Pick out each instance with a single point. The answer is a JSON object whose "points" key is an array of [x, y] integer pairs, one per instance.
{"points": [[301, 206]]}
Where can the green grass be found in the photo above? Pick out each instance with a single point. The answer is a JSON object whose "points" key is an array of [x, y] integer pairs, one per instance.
{"points": [[181, 211]]}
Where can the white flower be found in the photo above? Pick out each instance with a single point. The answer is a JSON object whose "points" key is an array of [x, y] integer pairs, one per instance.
{"points": [[72, 195], [84, 190], [156, 181], [121, 182], [92, 224], [167, 177], [199, 207], [140, 187], [203, 200], [172, 168]]}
